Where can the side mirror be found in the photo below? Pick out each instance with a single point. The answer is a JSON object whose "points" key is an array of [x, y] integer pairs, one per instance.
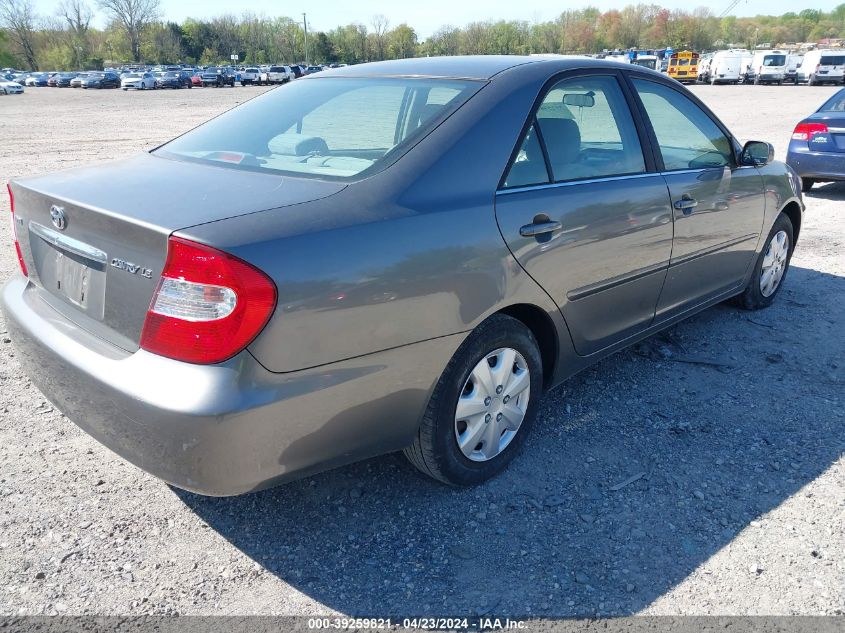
{"points": [[757, 154]]}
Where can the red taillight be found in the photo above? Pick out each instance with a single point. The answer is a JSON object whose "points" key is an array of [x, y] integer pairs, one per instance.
{"points": [[806, 131], [208, 306], [15, 232]]}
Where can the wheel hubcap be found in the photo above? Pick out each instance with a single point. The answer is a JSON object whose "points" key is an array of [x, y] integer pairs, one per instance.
{"points": [[492, 404], [774, 263]]}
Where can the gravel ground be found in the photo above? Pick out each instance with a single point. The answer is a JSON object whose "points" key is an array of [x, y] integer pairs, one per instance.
{"points": [[736, 507]]}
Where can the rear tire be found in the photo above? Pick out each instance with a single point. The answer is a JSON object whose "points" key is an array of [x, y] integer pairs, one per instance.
{"points": [[773, 262], [436, 450]]}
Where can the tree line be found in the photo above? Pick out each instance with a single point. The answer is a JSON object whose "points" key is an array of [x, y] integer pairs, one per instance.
{"points": [[136, 32]]}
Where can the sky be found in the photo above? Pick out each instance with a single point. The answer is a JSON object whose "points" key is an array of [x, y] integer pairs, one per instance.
{"points": [[426, 16]]}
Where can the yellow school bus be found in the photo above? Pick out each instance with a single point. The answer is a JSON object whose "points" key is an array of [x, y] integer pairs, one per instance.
{"points": [[683, 66]]}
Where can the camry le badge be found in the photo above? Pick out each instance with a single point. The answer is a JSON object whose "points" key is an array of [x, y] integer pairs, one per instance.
{"points": [[57, 215]]}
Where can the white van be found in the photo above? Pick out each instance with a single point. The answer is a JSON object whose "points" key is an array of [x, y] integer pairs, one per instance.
{"points": [[767, 67], [726, 67], [822, 67], [793, 62]]}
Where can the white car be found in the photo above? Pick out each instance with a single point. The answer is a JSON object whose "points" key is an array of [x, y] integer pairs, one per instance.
{"points": [[250, 75], [138, 81], [10, 87]]}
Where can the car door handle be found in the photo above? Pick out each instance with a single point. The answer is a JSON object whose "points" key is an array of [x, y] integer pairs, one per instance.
{"points": [[539, 228], [686, 204]]}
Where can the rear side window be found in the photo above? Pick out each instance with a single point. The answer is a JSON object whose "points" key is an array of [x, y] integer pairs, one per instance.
{"points": [[832, 60], [529, 166], [687, 136], [586, 129]]}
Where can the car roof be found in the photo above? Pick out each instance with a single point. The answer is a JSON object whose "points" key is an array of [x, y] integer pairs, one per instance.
{"points": [[464, 66]]}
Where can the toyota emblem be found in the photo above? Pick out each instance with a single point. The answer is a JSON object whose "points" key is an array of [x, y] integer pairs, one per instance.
{"points": [[57, 215]]}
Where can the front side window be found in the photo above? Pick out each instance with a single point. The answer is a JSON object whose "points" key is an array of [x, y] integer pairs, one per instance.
{"points": [[687, 136], [333, 126]]}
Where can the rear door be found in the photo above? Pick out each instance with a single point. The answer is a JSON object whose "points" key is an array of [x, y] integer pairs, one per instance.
{"points": [[718, 206], [584, 212]]}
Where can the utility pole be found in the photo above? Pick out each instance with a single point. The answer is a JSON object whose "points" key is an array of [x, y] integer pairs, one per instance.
{"points": [[305, 26]]}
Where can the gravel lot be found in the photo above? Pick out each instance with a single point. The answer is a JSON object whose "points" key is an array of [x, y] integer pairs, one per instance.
{"points": [[739, 509]]}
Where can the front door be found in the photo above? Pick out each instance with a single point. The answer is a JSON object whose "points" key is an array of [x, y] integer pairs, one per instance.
{"points": [[718, 205], [583, 215]]}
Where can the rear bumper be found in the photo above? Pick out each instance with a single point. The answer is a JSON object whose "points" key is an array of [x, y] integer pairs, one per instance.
{"points": [[818, 165], [223, 429]]}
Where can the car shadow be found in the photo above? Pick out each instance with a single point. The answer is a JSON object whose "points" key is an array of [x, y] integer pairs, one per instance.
{"points": [[827, 191], [637, 472]]}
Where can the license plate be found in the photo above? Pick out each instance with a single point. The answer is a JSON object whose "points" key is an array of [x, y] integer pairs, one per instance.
{"points": [[73, 280], [69, 269]]}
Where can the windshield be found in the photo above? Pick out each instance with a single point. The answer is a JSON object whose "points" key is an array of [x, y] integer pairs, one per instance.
{"points": [[212, 69], [774, 60], [835, 104], [335, 127]]}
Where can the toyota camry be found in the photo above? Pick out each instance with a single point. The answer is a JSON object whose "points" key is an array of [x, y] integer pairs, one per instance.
{"points": [[393, 256]]}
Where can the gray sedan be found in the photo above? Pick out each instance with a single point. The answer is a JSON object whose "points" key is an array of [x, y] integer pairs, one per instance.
{"points": [[390, 256]]}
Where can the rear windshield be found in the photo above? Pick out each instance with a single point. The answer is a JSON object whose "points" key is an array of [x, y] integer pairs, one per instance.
{"points": [[835, 104], [330, 127], [774, 60], [832, 60], [277, 69]]}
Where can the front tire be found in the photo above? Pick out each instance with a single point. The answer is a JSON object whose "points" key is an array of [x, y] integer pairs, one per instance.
{"points": [[483, 405], [771, 267]]}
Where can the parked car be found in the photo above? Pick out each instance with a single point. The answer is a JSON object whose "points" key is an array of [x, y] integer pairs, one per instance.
{"points": [[76, 82], [138, 81], [217, 77], [196, 79], [250, 76], [101, 80], [296, 71], [822, 67], [411, 279], [310, 70], [11, 87], [279, 74], [817, 149], [172, 79], [62, 80], [768, 67], [37, 80]]}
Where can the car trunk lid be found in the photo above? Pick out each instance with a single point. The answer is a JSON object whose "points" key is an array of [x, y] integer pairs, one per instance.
{"points": [[94, 239]]}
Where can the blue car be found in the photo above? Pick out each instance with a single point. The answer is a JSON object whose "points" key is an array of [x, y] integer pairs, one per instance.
{"points": [[817, 148]]}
